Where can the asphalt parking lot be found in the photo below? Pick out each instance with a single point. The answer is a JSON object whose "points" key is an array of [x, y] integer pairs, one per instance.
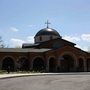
{"points": [[47, 82]]}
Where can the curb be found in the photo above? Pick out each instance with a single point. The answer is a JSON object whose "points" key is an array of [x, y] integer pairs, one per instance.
{"points": [[26, 75], [20, 75], [41, 74]]}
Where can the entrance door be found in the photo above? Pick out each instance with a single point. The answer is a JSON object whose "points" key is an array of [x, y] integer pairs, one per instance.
{"points": [[67, 64]]}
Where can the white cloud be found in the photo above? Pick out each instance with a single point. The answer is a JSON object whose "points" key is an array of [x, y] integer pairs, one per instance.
{"points": [[71, 38], [89, 49], [14, 29], [81, 41], [85, 48], [85, 37], [78, 46], [16, 42], [30, 39]]}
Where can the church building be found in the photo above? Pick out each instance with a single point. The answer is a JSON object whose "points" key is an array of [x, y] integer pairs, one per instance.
{"points": [[49, 53]]}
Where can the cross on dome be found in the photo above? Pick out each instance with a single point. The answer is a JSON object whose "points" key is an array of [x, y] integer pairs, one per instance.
{"points": [[47, 23]]}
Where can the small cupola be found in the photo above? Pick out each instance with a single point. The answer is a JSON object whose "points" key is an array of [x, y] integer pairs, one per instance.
{"points": [[46, 34]]}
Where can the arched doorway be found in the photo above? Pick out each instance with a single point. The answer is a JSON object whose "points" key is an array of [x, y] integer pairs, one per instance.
{"points": [[23, 64], [8, 62], [52, 65], [80, 65], [88, 64], [38, 64], [67, 63]]}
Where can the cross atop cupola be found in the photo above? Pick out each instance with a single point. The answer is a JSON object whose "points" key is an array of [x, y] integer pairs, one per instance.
{"points": [[47, 23]]}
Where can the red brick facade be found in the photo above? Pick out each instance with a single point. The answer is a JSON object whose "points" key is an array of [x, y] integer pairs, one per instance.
{"points": [[64, 57]]}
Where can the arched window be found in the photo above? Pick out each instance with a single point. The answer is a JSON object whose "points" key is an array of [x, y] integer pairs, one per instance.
{"points": [[23, 64], [40, 38], [8, 62], [52, 64], [51, 37], [38, 64]]}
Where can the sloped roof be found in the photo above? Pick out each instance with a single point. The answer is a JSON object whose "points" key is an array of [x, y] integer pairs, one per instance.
{"points": [[59, 39], [23, 50]]}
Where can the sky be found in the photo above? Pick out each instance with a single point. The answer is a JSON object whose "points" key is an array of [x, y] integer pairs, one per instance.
{"points": [[20, 20]]}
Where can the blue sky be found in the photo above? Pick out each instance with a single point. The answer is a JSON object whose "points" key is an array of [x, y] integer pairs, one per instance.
{"points": [[20, 20]]}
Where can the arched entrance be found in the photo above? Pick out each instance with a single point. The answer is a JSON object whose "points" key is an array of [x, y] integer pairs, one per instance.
{"points": [[38, 64], [23, 64], [80, 65], [8, 62], [67, 63], [52, 65], [88, 64]]}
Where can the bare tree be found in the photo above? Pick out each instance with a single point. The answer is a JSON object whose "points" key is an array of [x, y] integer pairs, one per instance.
{"points": [[2, 45]]}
